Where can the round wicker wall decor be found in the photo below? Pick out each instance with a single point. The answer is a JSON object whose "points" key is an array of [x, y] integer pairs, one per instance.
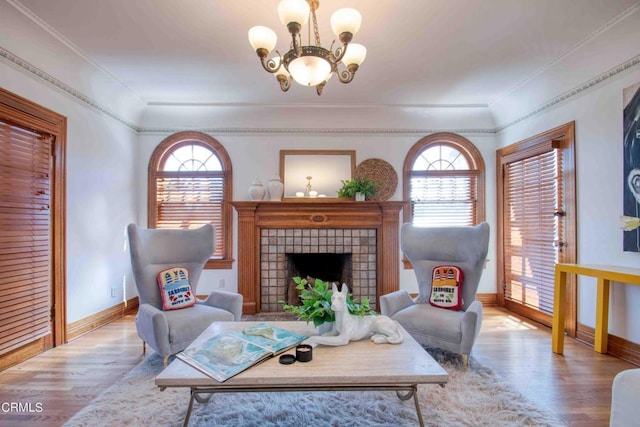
{"points": [[382, 174]]}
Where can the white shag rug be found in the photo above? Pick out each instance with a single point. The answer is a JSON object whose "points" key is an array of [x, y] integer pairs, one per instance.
{"points": [[473, 397]]}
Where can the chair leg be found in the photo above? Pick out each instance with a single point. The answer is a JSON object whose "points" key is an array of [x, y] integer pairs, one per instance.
{"points": [[144, 347], [465, 361], [165, 361]]}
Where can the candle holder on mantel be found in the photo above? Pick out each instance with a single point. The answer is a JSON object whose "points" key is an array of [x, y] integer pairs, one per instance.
{"points": [[307, 190]]}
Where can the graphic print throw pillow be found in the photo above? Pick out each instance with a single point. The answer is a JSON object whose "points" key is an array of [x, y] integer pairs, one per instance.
{"points": [[446, 287], [175, 288]]}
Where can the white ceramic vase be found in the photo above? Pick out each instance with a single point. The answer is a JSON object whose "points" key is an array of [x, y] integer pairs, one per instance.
{"points": [[256, 190], [276, 188], [360, 197]]}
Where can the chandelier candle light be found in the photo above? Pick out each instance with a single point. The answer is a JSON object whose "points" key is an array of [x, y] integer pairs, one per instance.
{"points": [[310, 65]]}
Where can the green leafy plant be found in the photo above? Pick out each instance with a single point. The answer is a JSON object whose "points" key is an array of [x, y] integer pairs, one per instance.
{"points": [[358, 185], [316, 303]]}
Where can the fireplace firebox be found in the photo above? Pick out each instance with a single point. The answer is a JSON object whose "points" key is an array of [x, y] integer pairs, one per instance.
{"points": [[332, 268]]}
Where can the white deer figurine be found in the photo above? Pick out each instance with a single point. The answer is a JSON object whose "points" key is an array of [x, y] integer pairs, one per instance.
{"points": [[349, 327]]}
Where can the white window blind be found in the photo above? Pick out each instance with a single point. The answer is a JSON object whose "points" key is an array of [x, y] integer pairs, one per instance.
{"points": [[190, 200], [442, 182], [532, 229], [446, 200]]}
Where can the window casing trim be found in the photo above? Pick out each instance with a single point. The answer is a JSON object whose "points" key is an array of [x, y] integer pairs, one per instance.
{"points": [[156, 163], [466, 147], [459, 143]]}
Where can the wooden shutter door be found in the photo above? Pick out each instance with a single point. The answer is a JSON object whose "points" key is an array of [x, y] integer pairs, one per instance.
{"points": [[25, 238], [533, 233]]}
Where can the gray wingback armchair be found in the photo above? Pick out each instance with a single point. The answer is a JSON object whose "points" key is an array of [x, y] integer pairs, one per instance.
{"points": [[153, 250], [426, 248]]}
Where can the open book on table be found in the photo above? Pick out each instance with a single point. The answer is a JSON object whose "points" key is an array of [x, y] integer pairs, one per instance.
{"points": [[225, 355]]}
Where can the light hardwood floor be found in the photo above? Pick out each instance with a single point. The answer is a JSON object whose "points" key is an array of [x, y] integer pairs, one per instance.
{"points": [[577, 386]]}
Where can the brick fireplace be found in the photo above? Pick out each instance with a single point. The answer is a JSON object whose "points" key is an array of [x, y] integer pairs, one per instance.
{"points": [[271, 233]]}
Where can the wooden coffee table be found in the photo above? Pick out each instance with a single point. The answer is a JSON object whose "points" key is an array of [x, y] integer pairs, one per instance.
{"points": [[361, 365]]}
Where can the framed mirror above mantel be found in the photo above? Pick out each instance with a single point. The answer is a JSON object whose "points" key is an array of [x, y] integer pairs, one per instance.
{"points": [[315, 173]]}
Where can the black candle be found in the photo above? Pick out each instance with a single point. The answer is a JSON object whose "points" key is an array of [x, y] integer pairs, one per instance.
{"points": [[304, 353]]}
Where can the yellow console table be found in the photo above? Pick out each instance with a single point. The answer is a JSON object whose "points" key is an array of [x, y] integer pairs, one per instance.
{"points": [[605, 274]]}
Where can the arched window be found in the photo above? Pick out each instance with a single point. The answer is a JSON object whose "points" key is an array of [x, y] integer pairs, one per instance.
{"points": [[189, 186], [444, 182]]}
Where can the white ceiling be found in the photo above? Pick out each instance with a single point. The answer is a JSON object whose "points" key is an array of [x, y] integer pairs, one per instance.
{"points": [[420, 52]]}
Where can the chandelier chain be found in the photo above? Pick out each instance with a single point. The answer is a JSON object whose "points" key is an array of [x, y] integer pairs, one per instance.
{"points": [[316, 33]]}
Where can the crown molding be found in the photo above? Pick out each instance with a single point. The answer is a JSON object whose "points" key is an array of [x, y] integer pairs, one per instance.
{"points": [[316, 106], [575, 48], [632, 63], [51, 81], [316, 131], [75, 49]]}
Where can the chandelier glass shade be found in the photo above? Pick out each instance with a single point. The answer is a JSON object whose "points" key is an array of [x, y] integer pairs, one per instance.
{"points": [[311, 68], [311, 64]]}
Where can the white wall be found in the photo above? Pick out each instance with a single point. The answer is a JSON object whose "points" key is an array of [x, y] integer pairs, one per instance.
{"points": [[107, 157], [257, 156], [598, 117], [101, 194], [107, 160], [36, 47], [101, 156], [586, 86]]}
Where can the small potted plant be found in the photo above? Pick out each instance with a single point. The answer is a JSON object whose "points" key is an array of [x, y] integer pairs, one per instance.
{"points": [[359, 188], [316, 303]]}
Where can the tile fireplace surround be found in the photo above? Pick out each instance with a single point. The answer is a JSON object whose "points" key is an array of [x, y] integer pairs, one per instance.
{"points": [[268, 231], [278, 244]]}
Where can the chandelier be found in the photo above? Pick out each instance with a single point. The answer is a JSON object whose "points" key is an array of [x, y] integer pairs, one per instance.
{"points": [[310, 65]]}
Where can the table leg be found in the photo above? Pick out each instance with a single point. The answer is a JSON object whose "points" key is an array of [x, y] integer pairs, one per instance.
{"points": [[415, 399], [557, 326], [189, 408], [411, 390], [602, 316]]}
